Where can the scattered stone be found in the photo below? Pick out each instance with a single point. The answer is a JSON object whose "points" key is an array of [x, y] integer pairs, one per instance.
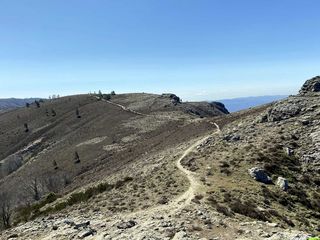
{"points": [[272, 224], [128, 224], [180, 235], [231, 137], [13, 236], [260, 175], [163, 200], [82, 225], [305, 122], [282, 183], [69, 222], [86, 233], [55, 227], [289, 151]]}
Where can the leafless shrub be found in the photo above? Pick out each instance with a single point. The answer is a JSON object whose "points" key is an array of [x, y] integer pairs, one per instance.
{"points": [[53, 183], [34, 188], [15, 163], [5, 209], [10, 165]]}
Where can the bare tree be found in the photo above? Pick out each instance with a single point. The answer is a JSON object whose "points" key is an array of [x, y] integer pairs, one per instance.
{"points": [[5, 209], [34, 188], [66, 178], [53, 183]]}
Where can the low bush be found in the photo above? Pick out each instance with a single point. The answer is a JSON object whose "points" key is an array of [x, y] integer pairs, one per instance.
{"points": [[32, 211], [249, 209], [224, 210]]}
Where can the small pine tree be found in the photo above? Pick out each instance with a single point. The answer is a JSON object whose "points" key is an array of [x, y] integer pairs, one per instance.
{"points": [[27, 105], [76, 157], [78, 113], [37, 103], [100, 95], [26, 128], [55, 165], [47, 112], [107, 97], [53, 113], [113, 93]]}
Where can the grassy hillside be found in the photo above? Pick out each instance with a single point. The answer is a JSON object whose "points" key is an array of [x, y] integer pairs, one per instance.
{"points": [[69, 142]]}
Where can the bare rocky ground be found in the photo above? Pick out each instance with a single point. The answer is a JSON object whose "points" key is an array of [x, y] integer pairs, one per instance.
{"points": [[185, 216], [248, 175]]}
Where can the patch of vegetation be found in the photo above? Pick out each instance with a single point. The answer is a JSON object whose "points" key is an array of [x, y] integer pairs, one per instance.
{"points": [[224, 210], [224, 168], [32, 211], [249, 209]]}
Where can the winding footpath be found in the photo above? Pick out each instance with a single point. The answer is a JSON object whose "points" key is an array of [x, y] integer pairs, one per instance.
{"points": [[123, 107], [185, 198]]}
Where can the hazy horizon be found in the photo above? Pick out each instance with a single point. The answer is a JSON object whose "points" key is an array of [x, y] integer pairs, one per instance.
{"points": [[198, 50]]}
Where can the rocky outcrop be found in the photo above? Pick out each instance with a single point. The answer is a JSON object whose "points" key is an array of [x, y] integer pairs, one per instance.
{"points": [[311, 85], [260, 175], [174, 98], [282, 111]]}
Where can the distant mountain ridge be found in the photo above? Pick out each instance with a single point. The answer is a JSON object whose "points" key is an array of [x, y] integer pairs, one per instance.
{"points": [[237, 104], [11, 103]]}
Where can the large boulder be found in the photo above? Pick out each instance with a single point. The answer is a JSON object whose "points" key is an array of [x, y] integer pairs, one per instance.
{"points": [[260, 175], [311, 85]]}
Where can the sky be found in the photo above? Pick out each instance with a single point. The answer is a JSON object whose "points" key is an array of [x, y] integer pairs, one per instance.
{"points": [[198, 49]]}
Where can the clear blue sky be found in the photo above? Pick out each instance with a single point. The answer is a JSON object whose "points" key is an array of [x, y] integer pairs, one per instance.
{"points": [[199, 49]]}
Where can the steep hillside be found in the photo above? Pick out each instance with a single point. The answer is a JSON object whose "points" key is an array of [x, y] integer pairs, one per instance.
{"points": [[66, 143], [141, 166]]}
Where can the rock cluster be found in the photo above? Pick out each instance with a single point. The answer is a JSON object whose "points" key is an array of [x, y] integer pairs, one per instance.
{"points": [[282, 111]]}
